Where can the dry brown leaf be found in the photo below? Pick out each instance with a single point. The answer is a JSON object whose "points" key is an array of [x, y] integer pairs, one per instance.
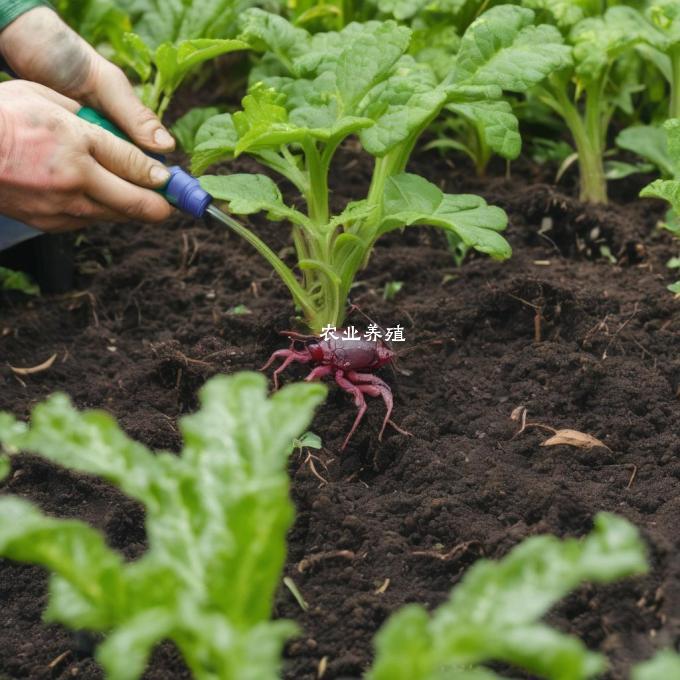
{"points": [[32, 370], [574, 438]]}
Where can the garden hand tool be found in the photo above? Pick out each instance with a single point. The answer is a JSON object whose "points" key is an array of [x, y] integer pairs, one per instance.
{"points": [[182, 190]]}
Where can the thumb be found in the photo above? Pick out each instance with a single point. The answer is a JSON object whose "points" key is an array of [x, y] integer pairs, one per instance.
{"points": [[124, 159], [113, 95]]}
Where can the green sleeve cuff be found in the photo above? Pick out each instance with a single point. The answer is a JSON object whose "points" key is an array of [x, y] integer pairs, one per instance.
{"points": [[11, 9]]}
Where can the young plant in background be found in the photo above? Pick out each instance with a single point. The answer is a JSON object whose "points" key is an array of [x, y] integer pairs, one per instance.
{"points": [[98, 21], [494, 614], [172, 39], [216, 522], [662, 46], [587, 94], [314, 92], [669, 190], [324, 15], [18, 281]]}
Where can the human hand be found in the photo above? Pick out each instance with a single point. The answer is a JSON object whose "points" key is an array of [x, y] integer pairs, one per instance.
{"points": [[40, 47], [59, 172]]}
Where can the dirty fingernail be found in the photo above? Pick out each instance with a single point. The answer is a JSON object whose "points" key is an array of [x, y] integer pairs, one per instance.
{"points": [[159, 174], [162, 138]]}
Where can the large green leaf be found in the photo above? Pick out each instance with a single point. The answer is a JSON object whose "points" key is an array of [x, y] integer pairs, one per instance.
{"points": [[216, 521], [498, 123], [503, 47], [494, 613], [599, 41], [649, 142], [412, 200]]}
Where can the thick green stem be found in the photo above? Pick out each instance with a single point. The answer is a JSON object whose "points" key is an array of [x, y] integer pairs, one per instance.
{"points": [[588, 135], [317, 196], [674, 109], [162, 107]]}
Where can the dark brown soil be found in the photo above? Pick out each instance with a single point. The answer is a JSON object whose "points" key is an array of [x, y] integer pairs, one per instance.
{"points": [[577, 340]]}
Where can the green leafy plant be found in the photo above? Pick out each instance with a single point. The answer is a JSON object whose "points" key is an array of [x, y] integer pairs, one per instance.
{"points": [[324, 14], [494, 613], [662, 46], [186, 127], [172, 39], [216, 522], [587, 93], [650, 143], [669, 189], [312, 92], [16, 280]]}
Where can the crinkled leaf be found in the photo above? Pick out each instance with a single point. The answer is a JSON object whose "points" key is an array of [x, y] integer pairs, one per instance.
{"points": [[264, 122], [563, 13], [367, 58], [265, 31], [410, 199], [186, 127], [494, 613], [503, 47], [665, 17], [404, 102], [665, 189], [598, 41], [497, 122]]}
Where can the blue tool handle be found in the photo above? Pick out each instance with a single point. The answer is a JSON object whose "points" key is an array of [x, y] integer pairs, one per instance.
{"points": [[182, 190]]}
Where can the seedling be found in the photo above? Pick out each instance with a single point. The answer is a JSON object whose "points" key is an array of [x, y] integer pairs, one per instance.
{"points": [[494, 614], [391, 289], [171, 42], [216, 522], [19, 281], [597, 45]]}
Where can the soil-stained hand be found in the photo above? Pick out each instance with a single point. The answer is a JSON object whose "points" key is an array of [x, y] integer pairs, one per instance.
{"points": [[58, 172], [40, 47]]}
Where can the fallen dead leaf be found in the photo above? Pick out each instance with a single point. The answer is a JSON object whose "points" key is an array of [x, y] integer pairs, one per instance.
{"points": [[574, 438], [32, 370]]}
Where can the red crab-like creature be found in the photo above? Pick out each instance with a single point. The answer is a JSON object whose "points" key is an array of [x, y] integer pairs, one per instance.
{"points": [[350, 362]]}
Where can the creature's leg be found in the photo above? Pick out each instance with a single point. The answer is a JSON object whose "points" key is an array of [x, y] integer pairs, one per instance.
{"points": [[376, 387], [290, 356], [319, 372], [359, 402]]}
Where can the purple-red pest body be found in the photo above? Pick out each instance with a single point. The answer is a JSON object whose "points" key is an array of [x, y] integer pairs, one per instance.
{"points": [[350, 362]]}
